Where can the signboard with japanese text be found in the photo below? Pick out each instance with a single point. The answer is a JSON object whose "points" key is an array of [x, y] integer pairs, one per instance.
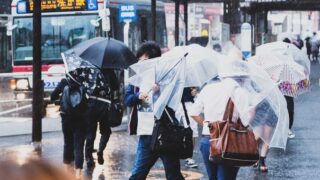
{"points": [[59, 5]]}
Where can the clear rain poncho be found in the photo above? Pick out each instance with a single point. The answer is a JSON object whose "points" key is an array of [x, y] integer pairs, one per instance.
{"points": [[260, 103]]}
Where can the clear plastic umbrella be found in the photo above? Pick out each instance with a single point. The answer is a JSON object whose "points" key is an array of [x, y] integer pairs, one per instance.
{"points": [[201, 63], [293, 79], [286, 49], [185, 66], [258, 100]]}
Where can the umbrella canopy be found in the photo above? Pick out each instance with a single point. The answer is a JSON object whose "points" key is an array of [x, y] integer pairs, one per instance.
{"points": [[258, 100], [291, 77], [286, 49], [201, 63], [84, 73], [187, 66], [105, 53]]}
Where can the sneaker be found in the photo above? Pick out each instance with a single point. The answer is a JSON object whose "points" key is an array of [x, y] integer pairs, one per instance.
{"points": [[291, 134], [191, 163], [100, 158]]}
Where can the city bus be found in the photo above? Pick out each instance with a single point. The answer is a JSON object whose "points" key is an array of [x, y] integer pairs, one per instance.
{"points": [[64, 26]]}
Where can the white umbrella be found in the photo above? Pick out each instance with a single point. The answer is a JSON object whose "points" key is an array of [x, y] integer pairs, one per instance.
{"points": [[258, 100], [286, 49], [289, 75], [185, 66]]}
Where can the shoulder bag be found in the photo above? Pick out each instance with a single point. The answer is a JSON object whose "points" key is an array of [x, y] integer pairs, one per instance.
{"points": [[232, 143], [170, 139]]}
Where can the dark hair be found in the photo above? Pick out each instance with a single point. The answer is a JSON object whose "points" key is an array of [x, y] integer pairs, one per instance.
{"points": [[151, 48], [286, 40]]}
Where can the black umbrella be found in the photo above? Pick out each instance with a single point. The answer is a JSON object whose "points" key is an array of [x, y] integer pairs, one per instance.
{"points": [[105, 53]]}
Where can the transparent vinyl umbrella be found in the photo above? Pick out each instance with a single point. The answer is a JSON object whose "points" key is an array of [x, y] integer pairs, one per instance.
{"points": [[184, 66], [285, 49], [292, 78], [258, 100]]}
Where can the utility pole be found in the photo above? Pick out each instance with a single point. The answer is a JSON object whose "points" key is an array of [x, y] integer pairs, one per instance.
{"points": [[37, 90], [185, 6], [177, 13], [154, 18]]}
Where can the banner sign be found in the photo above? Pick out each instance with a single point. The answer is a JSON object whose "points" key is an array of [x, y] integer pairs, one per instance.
{"points": [[58, 5]]}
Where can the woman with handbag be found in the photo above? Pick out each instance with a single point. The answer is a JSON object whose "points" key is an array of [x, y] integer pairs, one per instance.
{"points": [[214, 102], [142, 122]]}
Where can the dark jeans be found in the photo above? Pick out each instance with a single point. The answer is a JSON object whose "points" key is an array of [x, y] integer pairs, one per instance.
{"points": [[145, 159], [93, 116], [67, 130], [215, 171], [290, 106], [73, 129]]}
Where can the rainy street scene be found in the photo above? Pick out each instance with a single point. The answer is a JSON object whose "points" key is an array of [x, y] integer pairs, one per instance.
{"points": [[159, 89]]}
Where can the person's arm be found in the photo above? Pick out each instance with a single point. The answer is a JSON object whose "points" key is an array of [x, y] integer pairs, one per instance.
{"points": [[58, 90], [197, 109], [199, 119], [131, 98]]}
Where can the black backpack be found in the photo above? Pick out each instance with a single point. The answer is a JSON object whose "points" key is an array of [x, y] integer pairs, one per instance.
{"points": [[74, 100]]}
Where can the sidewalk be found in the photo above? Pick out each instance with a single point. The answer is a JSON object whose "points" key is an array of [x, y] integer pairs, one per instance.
{"points": [[299, 161]]}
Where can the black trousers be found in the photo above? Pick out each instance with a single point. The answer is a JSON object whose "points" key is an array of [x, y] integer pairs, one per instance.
{"points": [[95, 115], [290, 106], [73, 129]]}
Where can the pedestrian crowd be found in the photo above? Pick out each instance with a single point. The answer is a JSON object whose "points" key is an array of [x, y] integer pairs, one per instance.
{"points": [[200, 107]]}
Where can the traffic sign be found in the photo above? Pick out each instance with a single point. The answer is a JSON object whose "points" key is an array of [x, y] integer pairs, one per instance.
{"points": [[127, 13], [246, 40]]}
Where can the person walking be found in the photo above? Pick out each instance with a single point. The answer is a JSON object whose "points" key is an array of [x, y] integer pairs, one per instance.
{"points": [[308, 47], [73, 125], [188, 97], [315, 47], [95, 113], [212, 101], [290, 106], [141, 123]]}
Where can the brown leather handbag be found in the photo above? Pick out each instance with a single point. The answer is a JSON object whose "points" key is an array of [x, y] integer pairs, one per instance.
{"points": [[231, 143]]}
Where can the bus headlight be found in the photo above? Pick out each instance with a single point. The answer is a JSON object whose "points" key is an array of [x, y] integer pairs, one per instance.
{"points": [[13, 84], [22, 84]]}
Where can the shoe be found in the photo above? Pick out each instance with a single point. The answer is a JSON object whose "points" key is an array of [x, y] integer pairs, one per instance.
{"points": [[191, 163], [291, 134], [100, 158], [263, 167]]}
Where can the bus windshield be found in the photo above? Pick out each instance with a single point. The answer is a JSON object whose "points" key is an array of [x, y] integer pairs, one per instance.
{"points": [[59, 33]]}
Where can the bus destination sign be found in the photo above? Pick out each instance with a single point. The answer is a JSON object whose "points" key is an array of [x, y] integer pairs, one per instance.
{"points": [[63, 5]]}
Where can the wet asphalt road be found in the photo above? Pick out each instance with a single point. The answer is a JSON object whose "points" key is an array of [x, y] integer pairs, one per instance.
{"points": [[299, 161]]}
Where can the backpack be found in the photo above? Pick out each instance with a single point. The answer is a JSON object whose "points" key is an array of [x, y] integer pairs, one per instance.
{"points": [[74, 100]]}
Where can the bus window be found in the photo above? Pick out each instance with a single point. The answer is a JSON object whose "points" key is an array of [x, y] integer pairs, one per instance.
{"points": [[59, 33]]}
